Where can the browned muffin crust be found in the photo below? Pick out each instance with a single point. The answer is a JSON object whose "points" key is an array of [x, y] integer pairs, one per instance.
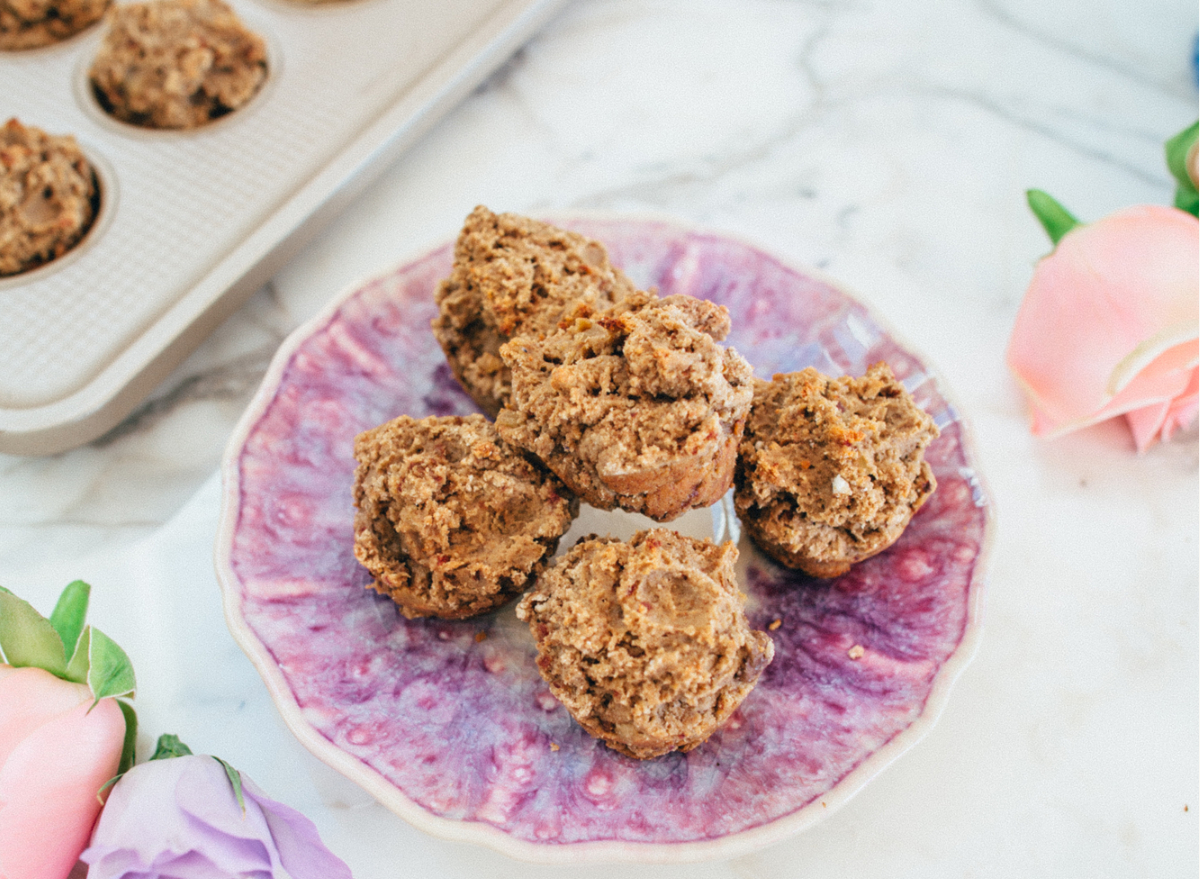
{"points": [[646, 643], [514, 275], [830, 471], [451, 520], [30, 24], [48, 196], [176, 64], [639, 408]]}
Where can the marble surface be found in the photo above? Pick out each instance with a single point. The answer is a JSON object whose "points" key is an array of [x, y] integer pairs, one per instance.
{"points": [[888, 145]]}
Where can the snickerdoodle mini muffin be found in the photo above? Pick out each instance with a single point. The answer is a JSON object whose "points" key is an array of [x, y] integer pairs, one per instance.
{"points": [[48, 196], [514, 275], [31, 24], [830, 471], [452, 521], [646, 643], [639, 408], [176, 64]]}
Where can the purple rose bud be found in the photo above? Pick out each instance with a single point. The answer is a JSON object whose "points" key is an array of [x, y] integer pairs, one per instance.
{"points": [[180, 817]]}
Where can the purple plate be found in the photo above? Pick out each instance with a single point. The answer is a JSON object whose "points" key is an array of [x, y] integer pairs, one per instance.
{"points": [[450, 725]]}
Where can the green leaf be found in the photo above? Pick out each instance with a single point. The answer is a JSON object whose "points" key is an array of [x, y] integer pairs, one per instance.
{"points": [[128, 754], [1177, 150], [1187, 200], [81, 662], [1055, 219], [27, 638], [111, 672], [235, 778], [169, 746], [69, 614]]}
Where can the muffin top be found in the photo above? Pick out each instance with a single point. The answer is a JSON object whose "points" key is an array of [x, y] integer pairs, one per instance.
{"points": [[176, 64], [514, 275], [451, 520], [30, 24], [646, 643], [830, 471], [638, 407], [48, 196]]}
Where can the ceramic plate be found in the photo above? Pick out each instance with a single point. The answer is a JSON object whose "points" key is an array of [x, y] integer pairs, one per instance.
{"points": [[449, 723]]}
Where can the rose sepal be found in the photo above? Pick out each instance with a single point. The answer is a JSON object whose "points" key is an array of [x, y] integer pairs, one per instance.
{"points": [[68, 648]]}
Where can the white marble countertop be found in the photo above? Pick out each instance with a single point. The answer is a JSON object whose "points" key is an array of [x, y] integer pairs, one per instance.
{"points": [[888, 144]]}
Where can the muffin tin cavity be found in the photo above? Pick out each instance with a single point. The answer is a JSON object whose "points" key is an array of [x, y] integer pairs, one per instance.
{"points": [[104, 200], [32, 24], [176, 64], [49, 197]]}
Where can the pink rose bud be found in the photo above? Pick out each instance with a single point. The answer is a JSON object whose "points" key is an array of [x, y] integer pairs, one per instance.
{"points": [[63, 733], [1109, 324], [57, 750]]}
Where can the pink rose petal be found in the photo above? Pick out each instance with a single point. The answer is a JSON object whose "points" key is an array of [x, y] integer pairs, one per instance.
{"points": [[1161, 381], [1184, 407], [1146, 424], [1160, 420], [29, 698]]}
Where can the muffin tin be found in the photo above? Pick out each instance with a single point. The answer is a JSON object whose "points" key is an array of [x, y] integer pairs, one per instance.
{"points": [[191, 222]]}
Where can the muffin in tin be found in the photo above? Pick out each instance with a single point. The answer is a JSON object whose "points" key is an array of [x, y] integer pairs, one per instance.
{"points": [[31, 24], [831, 471], [452, 521], [511, 276], [638, 408], [176, 64], [49, 196], [646, 643]]}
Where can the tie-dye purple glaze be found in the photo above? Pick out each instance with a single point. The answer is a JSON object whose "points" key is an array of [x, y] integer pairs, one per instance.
{"points": [[461, 723]]}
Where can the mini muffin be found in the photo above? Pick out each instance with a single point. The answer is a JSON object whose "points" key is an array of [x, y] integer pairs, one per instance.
{"points": [[640, 408], [514, 275], [48, 196], [30, 24], [176, 63], [646, 643], [452, 521], [830, 471]]}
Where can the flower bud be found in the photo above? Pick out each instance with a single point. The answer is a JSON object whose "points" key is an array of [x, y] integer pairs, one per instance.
{"points": [[58, 748]]}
